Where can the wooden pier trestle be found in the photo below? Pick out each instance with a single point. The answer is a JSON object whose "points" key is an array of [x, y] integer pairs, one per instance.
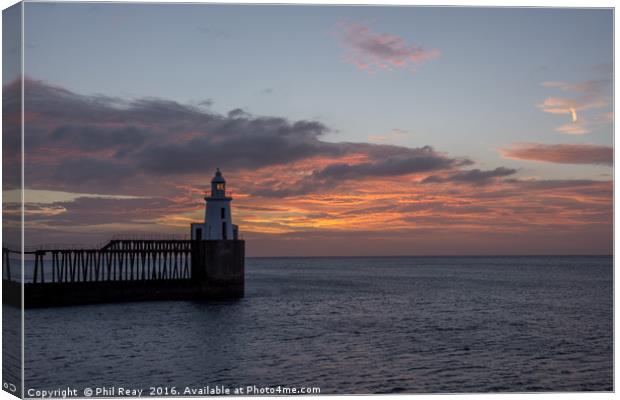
{"points": [[126, 270]]}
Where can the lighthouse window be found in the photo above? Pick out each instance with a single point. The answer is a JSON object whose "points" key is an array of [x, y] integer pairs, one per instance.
{"points": [[220, 186], [223, 210]]}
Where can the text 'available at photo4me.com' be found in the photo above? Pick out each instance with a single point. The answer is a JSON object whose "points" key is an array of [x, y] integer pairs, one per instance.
{"points": [[153, 391]]}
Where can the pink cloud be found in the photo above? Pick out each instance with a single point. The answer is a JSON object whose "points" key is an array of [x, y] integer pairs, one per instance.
{"points": [[371, 51], [574, 128], [588, 95], [561, 153]]}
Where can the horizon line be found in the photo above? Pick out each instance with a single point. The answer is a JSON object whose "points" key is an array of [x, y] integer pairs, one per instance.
{"points": [[438, 255]]}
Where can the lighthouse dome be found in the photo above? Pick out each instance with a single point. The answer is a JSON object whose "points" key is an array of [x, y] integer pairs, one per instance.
{"points": [[218, 178]]}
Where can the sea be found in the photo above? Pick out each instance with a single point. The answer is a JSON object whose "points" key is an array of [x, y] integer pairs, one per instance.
{"points": [[344, 325]]}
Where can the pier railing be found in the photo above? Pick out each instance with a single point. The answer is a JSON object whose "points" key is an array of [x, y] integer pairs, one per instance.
{"points": [[118, 260]]}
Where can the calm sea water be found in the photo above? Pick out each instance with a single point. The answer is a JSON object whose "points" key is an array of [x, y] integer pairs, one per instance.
{"points": [[351, 325]]}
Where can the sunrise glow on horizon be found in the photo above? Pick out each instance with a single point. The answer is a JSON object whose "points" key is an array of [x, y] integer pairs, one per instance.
{"points": [[340, 130]]}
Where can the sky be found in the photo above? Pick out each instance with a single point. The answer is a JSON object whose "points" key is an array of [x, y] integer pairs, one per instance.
{"points": [[341, 130]]}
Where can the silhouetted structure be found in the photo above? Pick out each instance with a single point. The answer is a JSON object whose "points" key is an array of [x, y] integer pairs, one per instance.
{"points": [[129, 270], [210, 266]]}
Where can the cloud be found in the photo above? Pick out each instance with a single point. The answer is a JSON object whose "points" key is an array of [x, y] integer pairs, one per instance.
{"points": [[561, 153], [604, 68], [587, 95], [292, 189], [423, 159], [368, 163], [586, 124], [238, 113], [205, 103], [587, 87], [394, 135], [100, 144], [383, 164], [574, 128], [51, 196], [85, 211], [95, 137], [473, 176], [372, 51], [383, 211]]}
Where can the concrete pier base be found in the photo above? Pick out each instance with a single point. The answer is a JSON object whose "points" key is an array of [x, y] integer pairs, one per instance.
{"points": [[218, 266]]}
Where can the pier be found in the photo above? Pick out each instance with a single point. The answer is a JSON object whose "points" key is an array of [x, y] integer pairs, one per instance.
{"points": [[126, 270]]}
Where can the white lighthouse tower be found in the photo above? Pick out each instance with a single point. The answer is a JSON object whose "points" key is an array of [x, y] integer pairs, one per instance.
{"points": [[218, 217]]}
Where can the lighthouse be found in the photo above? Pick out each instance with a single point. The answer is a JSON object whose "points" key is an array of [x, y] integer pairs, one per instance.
{"points": [[218, 223]]}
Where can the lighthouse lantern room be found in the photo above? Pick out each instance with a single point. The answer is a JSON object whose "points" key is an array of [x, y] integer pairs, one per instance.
{"points": [[218, 217]]}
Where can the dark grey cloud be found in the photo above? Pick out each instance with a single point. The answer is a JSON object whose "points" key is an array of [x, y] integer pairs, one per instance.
{"points": [[238, 112], [84, 173], [101, 142], [205, 103], [473, 176], [89, 211], [11, 136], [237, 143], [91, 138], [388, 161], [423, 159]]}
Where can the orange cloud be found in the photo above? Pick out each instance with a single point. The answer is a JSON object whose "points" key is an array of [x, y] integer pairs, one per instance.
{"points": [[294, 193], [374, 212]]}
